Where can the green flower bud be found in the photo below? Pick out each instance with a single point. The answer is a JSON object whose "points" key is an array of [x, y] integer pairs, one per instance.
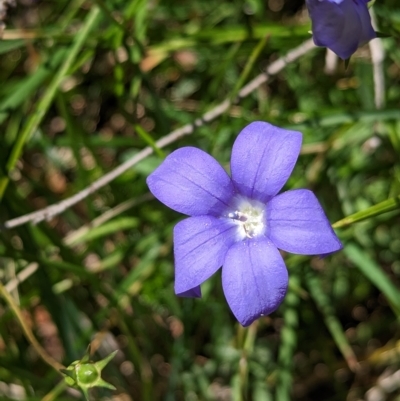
{"points": [[86, 374]]}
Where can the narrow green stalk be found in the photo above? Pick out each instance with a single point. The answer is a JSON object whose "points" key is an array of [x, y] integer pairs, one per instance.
{"points": [[249, 65], [246, 339], [55, 392], [332, 322], [72, 132], [288, 344], [28, 332], [44, 103], [394, 135], [109, 15], [69, 13], [380, 208], [374, 273], [149, 140]]}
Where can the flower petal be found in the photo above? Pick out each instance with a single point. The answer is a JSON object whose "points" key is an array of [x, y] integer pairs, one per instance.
{"points": [[340, 25], [367, 31], [192, 182], [254, 279], [263, 157], [200, 246], [297, 224], [192, 293]]}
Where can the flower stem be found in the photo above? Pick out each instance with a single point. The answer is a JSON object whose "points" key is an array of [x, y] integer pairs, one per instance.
{"points": [[28, 332], [55, 392], [246, 339]]}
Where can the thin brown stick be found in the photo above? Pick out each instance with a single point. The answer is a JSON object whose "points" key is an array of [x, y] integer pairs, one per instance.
{"points": [[21, 277], [28, 332], [378, 57], [54, 210]]}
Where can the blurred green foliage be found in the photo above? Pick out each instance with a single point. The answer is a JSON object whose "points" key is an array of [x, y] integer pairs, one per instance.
{"points": [[87, 85]]}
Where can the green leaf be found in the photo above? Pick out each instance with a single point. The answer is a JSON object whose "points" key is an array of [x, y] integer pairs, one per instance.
{"points": [[373, 211], [109, 228], [375, 274], [8, 45]]}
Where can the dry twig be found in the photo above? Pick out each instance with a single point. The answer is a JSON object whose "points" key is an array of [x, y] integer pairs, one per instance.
{"points": [[58, 208], [378, 57], [4, 4]]}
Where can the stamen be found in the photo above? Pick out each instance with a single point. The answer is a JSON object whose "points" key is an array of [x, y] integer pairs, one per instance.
{"points": [[249, 216]]}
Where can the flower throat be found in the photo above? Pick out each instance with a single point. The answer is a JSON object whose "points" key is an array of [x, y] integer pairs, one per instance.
{"points": [[249, 215]]}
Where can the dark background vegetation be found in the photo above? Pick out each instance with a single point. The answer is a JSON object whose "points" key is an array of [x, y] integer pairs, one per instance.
{"points": [[102, 271]]}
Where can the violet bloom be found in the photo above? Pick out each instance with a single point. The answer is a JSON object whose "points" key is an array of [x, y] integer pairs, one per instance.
{"points": [[340, 25], [240, 222]]}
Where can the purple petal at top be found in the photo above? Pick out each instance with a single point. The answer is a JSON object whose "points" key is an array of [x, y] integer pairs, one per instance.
{"points": [[297, 224], [367, 31], [254, 279], [263, 157], [200, 246], [342, 26], [191, 182]]}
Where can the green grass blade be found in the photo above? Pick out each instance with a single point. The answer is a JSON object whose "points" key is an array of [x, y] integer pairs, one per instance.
{"points": [[28, 85], [288, 344], [149, 140], [380, 208], [45, 102], [249, 65], [375, 274], [324, 304], [109, 228]]}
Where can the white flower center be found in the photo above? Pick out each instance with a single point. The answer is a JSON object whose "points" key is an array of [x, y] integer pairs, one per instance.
{"points": [[249, 215]]}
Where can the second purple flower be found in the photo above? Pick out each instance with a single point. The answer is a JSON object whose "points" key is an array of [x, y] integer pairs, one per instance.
{"points": [[239, 222], [340, 25]]}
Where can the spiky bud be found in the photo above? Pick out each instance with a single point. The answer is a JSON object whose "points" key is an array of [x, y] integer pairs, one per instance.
{"points": [[86, 374]]}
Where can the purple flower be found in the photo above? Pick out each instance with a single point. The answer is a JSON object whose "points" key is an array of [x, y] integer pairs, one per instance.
{"points": [[340, 25], [240, 222]]}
